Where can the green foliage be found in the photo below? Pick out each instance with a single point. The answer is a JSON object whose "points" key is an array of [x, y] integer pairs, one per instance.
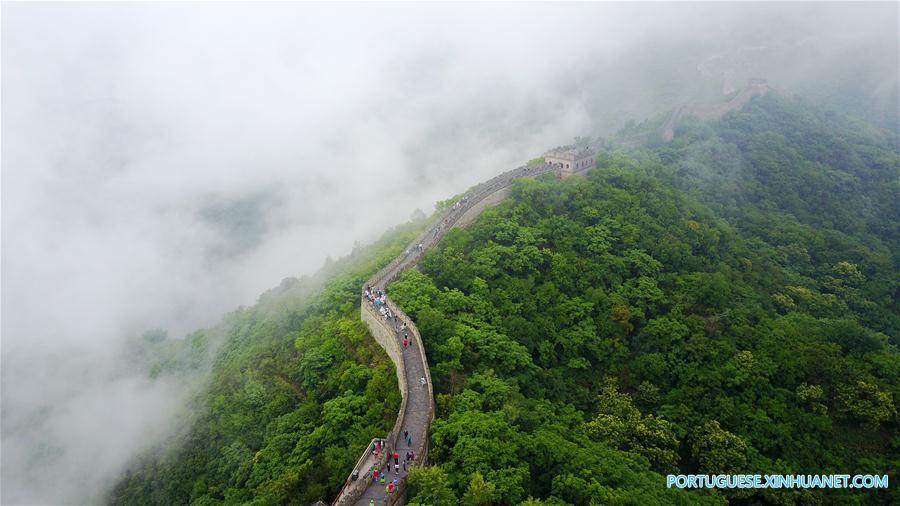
{"points": [[480, 492], [296, 391], [866, 403], [620, 425], [723, 303], [429, 486], [719, 451]]}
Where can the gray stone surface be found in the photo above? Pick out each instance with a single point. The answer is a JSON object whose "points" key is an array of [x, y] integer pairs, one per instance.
{"points": [[417, 408]]}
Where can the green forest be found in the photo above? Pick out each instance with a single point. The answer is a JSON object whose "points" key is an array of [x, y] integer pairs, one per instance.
{"points": [[297, 389], [724, 303]]}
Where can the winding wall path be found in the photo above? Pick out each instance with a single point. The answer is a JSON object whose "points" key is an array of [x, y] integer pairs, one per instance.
{"points": [[417, 407]]}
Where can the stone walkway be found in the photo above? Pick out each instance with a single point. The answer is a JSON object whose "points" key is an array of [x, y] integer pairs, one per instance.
{"points": [[416, 420], [418, 412]]}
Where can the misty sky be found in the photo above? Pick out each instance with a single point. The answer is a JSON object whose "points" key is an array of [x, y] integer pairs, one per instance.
{"points": [[162, 164]]}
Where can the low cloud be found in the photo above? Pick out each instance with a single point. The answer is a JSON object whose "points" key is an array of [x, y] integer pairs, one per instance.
{"points": [[165, 163]]}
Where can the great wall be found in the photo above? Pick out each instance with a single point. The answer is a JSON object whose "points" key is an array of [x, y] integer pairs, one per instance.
{"points": [[417, 405], [704, 111]]}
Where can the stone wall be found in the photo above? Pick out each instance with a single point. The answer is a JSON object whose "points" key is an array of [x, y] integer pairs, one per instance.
{"points": [[384, 335], [475, 211], [353, 489], [422, 448], [481, 197]]}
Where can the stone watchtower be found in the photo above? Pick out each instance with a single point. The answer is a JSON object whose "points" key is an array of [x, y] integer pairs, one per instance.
{"points": [[567, 160]]}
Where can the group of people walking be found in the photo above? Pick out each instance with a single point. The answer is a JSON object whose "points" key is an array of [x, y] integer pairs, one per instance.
{"points": [[378, 299], [380, 476], [399, 466]]}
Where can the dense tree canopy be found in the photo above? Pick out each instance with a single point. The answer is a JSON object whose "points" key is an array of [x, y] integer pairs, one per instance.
{"points": [[725, 303], [297, 390]]}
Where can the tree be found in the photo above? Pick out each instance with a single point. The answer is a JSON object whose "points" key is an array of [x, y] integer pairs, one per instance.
{"points": [[480, 492], [428, 486], [865, 402], [717, 450], [619, 424]]}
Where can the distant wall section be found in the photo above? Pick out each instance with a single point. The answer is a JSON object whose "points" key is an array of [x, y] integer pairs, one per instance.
{"points": [[475, 211]]}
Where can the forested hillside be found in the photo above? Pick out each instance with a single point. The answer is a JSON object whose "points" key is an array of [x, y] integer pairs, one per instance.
{"points": [[296, 390], [724, 303]]}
